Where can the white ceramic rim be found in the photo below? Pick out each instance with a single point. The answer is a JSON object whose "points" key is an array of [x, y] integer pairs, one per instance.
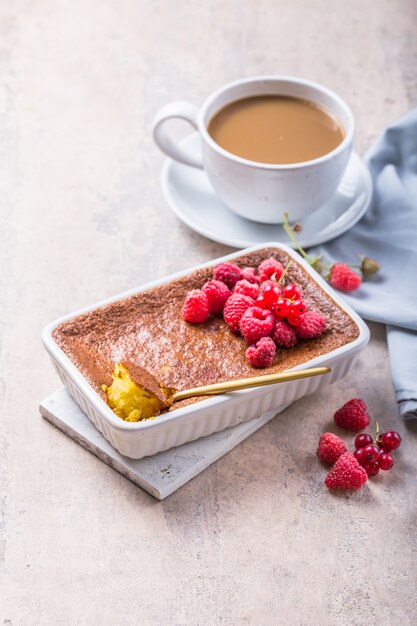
{"points": [[348, 139], [115, 422]]}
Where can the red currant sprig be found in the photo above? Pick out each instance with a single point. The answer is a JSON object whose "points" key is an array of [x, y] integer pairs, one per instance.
{"points": [[285, 302], [374, 454], [368, 267]]}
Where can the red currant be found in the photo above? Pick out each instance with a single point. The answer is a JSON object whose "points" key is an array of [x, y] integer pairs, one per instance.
{"points": [[270, 284], [270, 296], [297, 307], [371, 469], [385, 461], [371, 453], [360, 456], [291, 291], [280, 308], [390, 441], [363, 440]]}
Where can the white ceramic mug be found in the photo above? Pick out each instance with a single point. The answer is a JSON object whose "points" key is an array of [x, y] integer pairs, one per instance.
{"points": [[261, 191]]}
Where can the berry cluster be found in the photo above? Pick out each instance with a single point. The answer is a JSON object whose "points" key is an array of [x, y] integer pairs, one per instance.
{"points": [[257, 304], [374, 454], [340, 275], [351, 471]]}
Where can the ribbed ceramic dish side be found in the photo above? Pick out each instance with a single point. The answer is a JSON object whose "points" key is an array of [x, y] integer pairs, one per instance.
{"points": [[136, 445], [208, 416]]}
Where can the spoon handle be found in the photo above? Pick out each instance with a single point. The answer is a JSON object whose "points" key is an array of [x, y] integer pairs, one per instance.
{"points": [[245, 383]]}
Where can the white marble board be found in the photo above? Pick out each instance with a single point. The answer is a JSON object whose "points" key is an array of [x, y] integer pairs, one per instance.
{"points": [[161, 474]]}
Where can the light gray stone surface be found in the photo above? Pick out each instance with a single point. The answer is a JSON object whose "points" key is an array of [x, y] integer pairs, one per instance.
{"points": [[256, 538]]}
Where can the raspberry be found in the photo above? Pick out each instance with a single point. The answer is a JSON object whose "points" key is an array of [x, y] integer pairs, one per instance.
{"points": [[247, 288], [249, 274], [228, 273], [353, 415], [312, 325], [217, 294], [331, 447], [234, 309], [343, 278], [346, 474], [256, 323], [269, 267], [262, 353], [284, 335], [195, 308]]}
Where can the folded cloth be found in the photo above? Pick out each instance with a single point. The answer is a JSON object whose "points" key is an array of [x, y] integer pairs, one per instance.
{"points": [[388, 234]]}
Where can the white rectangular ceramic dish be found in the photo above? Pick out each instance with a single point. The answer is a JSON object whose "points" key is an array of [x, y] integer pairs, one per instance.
{"points": [[188, 423]]}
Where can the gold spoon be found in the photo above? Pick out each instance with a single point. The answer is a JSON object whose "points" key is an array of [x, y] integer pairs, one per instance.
{"points": [[246, 383], [133, 400]]}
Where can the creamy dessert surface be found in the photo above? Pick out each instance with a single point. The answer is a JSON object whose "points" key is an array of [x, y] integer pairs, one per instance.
{"points": [[147, 331]]}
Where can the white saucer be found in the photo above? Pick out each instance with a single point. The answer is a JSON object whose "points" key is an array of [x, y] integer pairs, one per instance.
{"points": [[192, 198]]}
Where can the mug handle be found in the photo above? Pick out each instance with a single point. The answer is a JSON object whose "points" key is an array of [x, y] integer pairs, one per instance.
{"points": [[185, 111]]}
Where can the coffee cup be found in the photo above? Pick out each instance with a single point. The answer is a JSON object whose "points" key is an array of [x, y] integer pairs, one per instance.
{"points": [[262, 191]]}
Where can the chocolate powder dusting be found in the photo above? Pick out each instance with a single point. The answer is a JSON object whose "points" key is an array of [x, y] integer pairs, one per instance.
{"points": [[147, 330]]}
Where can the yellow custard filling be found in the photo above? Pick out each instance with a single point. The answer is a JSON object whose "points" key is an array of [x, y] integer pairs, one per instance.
{"points": [[128, 400]]}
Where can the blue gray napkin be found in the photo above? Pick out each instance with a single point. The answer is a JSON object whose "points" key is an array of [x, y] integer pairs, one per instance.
{"points": [[388, 234]]}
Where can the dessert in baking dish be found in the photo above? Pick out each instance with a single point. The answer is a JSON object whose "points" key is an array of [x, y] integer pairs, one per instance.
{"points": [[148, 339]]}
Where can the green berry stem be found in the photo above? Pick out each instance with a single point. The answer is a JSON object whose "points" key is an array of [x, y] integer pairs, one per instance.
{"points": [[376, 431], [293, 238], [368, 266], [301, 250], [281, 280]]}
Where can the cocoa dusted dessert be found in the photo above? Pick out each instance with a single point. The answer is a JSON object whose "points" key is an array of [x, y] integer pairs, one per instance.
{"points": [[262, 310]]}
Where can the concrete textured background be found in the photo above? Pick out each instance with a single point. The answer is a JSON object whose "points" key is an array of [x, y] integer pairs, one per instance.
{"points": [[255, 539]]}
